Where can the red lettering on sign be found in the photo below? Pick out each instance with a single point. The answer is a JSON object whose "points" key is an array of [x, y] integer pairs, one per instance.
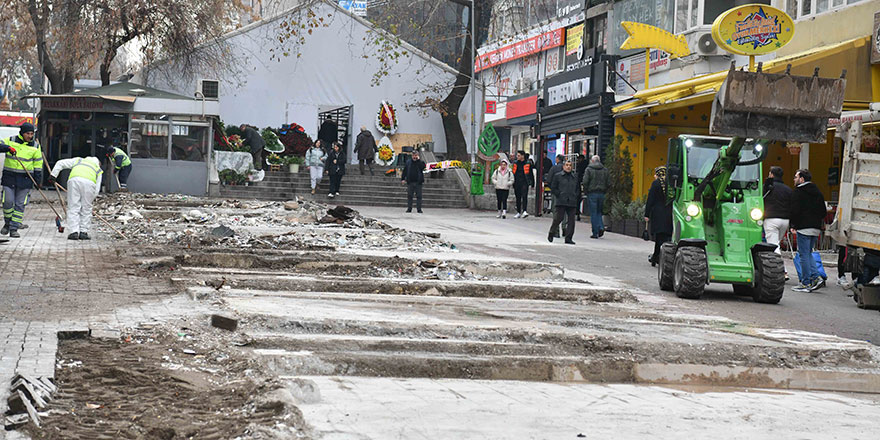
{"points": [[491, 107], [520, 49]]}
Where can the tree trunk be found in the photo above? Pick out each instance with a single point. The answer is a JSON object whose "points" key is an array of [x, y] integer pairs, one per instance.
{"points": [[456, 145]]}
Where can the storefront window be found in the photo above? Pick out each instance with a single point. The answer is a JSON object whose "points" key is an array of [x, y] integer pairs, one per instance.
{"points": [[149, 140], [189, 143]]}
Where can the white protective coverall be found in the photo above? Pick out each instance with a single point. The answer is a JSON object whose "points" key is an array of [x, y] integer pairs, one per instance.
{"points": [[81, 190]]}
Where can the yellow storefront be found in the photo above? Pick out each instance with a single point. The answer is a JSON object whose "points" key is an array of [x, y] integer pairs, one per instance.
{"points": [[653, 116]]}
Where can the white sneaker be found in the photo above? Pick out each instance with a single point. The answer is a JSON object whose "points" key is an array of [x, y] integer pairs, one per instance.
{"points": [[842, 281], [504, 213], [499, 215], [330, 195], [875, 281], [518, 215], [525, 214]]}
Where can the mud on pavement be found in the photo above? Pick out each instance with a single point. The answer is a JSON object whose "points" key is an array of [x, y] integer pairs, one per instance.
{"points": [[169, 381]]}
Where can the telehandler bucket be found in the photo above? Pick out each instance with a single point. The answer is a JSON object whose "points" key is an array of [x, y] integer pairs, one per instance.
{"points": [[776, 106]]}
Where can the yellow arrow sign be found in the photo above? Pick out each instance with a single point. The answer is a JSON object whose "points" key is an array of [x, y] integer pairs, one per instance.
{"points": [[643, 36]]}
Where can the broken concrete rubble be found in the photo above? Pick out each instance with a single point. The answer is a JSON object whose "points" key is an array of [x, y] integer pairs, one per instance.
{"points": [[189, 222]]}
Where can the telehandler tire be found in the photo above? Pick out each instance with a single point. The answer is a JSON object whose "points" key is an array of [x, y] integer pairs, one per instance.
{"points": [[666, 266], [769, 278], [691, 272]]}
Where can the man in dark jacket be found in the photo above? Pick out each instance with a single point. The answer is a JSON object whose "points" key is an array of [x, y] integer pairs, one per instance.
{"points": [[777, 207], [253, 139], [596, 183], [564, 188], [414, 177], [365, 146], [548, 179], [523, 178], [807, 216]]}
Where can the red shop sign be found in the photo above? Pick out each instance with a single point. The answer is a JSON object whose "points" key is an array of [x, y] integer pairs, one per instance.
{"points": [[491, 107], [520, 49]]}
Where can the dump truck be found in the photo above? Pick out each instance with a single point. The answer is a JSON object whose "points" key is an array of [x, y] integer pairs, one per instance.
{"points": [[858, 208], [715, 182]]}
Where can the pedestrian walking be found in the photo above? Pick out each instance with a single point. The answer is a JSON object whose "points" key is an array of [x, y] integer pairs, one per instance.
{"points": [[366, 148], [658, 213], [596, 182], [25, 162], [523, 178], [777, 208], [807, 216], [548, 179], [83, 186], [315, 158], [335, 166], [502, 178], [122, 164], [414, 178], [254, 140], [581, 168], [564, 189]]}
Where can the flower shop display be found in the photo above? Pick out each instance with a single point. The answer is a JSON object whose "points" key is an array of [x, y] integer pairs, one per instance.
{"points": [[273, 145], [294, 163], [385, 154], [444, 165], [231, 177], [294, 138], [386, 118]]}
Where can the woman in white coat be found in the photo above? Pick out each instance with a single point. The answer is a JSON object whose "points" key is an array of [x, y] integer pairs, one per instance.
{"points": [[502, 178]]}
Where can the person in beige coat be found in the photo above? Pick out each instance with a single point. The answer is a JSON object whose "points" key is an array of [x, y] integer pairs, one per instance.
{"points": [[502, 178]]}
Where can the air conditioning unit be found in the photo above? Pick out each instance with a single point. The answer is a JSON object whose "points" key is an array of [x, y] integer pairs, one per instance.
{"points": [[209, 88], [702, 43]]}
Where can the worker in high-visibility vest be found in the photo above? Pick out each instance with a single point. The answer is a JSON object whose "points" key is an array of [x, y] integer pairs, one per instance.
{"points": [[16, 184], [82, 188], [122, 163]]}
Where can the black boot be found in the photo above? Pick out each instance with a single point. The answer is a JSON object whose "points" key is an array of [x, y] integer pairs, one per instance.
{"points": [[550, 237], [73, 236], [5, 230], [14, 234], [84, 236]]}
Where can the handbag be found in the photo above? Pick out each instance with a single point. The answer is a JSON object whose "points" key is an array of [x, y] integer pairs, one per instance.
{"points": [[645, 234]]}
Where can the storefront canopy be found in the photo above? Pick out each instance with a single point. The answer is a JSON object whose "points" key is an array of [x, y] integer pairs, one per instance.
{"points": [[703, 88], [127, 97]]}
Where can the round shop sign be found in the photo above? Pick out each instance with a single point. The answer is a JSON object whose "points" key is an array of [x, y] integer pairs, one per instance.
{"points": [[753, 30]]}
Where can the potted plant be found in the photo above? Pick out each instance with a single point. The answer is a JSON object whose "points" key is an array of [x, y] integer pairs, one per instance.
{"points": [[230, 177], [294, 163]]}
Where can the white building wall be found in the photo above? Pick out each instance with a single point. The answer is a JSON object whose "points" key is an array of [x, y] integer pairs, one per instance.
{"points": [[334, 70]]}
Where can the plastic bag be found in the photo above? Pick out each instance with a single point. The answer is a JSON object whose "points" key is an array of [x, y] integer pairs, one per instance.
{"points": [[816, 258]]}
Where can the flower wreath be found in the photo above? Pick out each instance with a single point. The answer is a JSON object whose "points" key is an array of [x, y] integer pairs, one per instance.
{"points": [[385, 155], [386, 118]]}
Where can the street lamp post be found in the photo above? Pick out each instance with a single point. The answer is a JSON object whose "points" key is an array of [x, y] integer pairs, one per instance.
{"points": [[473, 83]]}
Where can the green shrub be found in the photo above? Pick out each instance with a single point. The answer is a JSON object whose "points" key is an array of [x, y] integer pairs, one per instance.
{"points": [[228, 177]]}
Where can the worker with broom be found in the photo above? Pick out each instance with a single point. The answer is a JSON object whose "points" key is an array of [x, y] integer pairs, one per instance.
{"points": [[20, 170], [83, 186]]}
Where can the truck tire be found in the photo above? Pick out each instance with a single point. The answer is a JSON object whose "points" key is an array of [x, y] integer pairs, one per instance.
{"points": [[690, 273], [665, 275], [769, 278]]}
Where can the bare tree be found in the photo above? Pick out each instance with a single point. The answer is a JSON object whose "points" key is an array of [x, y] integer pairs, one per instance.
{"points": [[67, 38]]}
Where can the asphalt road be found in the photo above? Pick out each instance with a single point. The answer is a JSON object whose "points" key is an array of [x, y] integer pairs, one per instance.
{"points": [[625, 259]]}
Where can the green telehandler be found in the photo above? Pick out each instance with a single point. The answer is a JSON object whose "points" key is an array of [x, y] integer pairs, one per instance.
{"points": [[715, 182]]}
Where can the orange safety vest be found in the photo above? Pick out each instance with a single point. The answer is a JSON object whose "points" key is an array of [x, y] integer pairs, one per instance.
{"points": [[526, 168]]}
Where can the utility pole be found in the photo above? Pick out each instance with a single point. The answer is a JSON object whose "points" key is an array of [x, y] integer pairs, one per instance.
{"points": [[473, 83]]}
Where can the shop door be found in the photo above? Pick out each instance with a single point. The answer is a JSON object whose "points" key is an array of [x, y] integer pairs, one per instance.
{"points": [[342, 117], [83, 141]]}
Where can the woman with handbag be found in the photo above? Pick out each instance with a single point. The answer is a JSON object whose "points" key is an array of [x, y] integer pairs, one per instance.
{"points": [[658, 213]]}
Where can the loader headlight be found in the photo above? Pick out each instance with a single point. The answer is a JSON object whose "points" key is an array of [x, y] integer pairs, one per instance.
{"points": [[688, 143], [758, 148], [693, 210], [756, 214]]}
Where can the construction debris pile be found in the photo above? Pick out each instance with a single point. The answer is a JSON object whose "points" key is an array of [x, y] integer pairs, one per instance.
{"points": [[186, 221], [28, 400]]}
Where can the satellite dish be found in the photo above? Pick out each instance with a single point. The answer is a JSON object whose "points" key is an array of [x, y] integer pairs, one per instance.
{"points": [[706, 44]]}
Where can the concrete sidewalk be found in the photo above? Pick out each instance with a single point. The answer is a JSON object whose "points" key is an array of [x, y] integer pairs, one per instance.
{"points": [[617, 260], [391, 408]]}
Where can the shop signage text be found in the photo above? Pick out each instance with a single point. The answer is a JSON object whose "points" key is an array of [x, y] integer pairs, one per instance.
{"points": [[491, 107], [753, 30], [633, 70], [520, 49], [569, 91], [356, 7], [72, 103]]}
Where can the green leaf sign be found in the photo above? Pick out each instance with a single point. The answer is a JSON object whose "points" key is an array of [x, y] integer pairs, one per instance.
{"points": [[489, 144]]}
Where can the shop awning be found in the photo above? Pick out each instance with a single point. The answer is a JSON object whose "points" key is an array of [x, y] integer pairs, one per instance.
{"points": [[703, 88]]}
